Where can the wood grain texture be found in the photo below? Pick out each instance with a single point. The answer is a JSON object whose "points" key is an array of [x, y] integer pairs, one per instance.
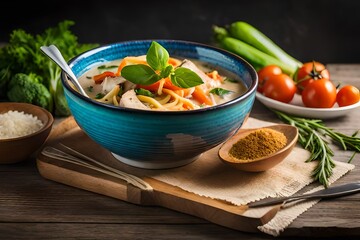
{"points": [[163, 194], [32, 207]]}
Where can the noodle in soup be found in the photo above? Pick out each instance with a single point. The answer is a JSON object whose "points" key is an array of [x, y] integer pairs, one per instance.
{"points": [[107, 84]]}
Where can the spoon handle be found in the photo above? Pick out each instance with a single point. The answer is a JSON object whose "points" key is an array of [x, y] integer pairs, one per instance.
{"points": [[54, 54], [338, 191]]}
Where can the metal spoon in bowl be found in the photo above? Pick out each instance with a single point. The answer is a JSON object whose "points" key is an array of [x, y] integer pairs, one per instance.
{"points": [[54, 54]]}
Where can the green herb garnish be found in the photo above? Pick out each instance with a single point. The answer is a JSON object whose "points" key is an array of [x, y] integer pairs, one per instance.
{"points": [[144, 92], [106, 67], [99, 95], [220, 91], [157, 57], [230, 80], [312, 136], [90, 88], [140, 74]]}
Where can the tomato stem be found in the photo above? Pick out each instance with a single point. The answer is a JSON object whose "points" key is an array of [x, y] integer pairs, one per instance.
{"points": [[313, 74]]}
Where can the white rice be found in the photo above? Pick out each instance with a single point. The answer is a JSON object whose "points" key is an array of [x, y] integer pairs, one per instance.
{"points": [[17, 124]]}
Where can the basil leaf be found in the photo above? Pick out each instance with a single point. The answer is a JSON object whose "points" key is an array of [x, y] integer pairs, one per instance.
{"points": [[157, 56], [140, 74], [141, 91], [220, 91], [185, 78], [166, 71]]}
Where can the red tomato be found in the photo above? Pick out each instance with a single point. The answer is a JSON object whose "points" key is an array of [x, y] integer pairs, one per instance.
{"points": [[348, 95], [280, 87], [309, 72], [319, 94], [265, 73]]}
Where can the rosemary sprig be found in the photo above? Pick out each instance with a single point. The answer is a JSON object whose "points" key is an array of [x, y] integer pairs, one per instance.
{"points": [[312, 136]]}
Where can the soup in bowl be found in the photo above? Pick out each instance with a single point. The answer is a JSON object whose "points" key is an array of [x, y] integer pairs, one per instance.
{"points": [[160, 104]]}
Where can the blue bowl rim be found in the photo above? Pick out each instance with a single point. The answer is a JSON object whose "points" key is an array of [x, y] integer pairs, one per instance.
{"points": [[250, 90]]}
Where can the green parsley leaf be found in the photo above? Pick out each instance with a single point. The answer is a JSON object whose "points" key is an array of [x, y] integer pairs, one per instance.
{"points": [[99, 95], [157, 56], [140, 74], [185, 78], [220, 91], [107, 67]]}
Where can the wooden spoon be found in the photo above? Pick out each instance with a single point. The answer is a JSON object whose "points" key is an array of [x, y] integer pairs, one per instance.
{"points": [[263, 163]]}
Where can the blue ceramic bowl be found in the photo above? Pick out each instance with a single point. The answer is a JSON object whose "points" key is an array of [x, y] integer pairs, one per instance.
{"points": [[160, 139]]}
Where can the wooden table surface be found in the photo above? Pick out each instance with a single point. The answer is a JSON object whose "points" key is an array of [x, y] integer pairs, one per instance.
{"points": [[32, 207]]}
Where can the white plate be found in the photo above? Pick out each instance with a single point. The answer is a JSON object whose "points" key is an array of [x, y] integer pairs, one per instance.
{"points": [[295, 107]]}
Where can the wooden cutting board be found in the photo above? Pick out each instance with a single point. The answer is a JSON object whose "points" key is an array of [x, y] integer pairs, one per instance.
{"points": [[165, 195]]}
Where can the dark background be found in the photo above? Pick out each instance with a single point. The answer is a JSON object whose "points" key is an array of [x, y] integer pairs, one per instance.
{"points": [[326, 31]]}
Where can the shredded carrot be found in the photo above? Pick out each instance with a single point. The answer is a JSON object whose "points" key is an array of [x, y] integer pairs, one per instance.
{"points": [[201, 97], [187, 105], [100, 77], [121, 66], [130, 60], [169, 85], [175, 62], [153, 87], [215, 75], [183, 92]]}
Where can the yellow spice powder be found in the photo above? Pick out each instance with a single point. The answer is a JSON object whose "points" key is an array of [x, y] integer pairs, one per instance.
{"points": [[260, 143]]}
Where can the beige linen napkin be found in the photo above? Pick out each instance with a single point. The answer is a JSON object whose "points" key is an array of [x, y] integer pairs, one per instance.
{"points": [[209, 177]]}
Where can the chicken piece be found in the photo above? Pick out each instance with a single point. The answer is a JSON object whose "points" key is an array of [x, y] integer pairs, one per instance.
{"points": [[209, 82], [130, 100], [110, 82]]}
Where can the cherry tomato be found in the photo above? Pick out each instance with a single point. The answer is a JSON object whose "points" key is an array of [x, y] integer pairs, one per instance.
{"points": [[319, 94], [265, 73], [309, 72], [347, 95], [280, 87]]}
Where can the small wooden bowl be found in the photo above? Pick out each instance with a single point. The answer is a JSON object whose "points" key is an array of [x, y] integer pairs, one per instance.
{"points": [[14, 150], [263, 163]]}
